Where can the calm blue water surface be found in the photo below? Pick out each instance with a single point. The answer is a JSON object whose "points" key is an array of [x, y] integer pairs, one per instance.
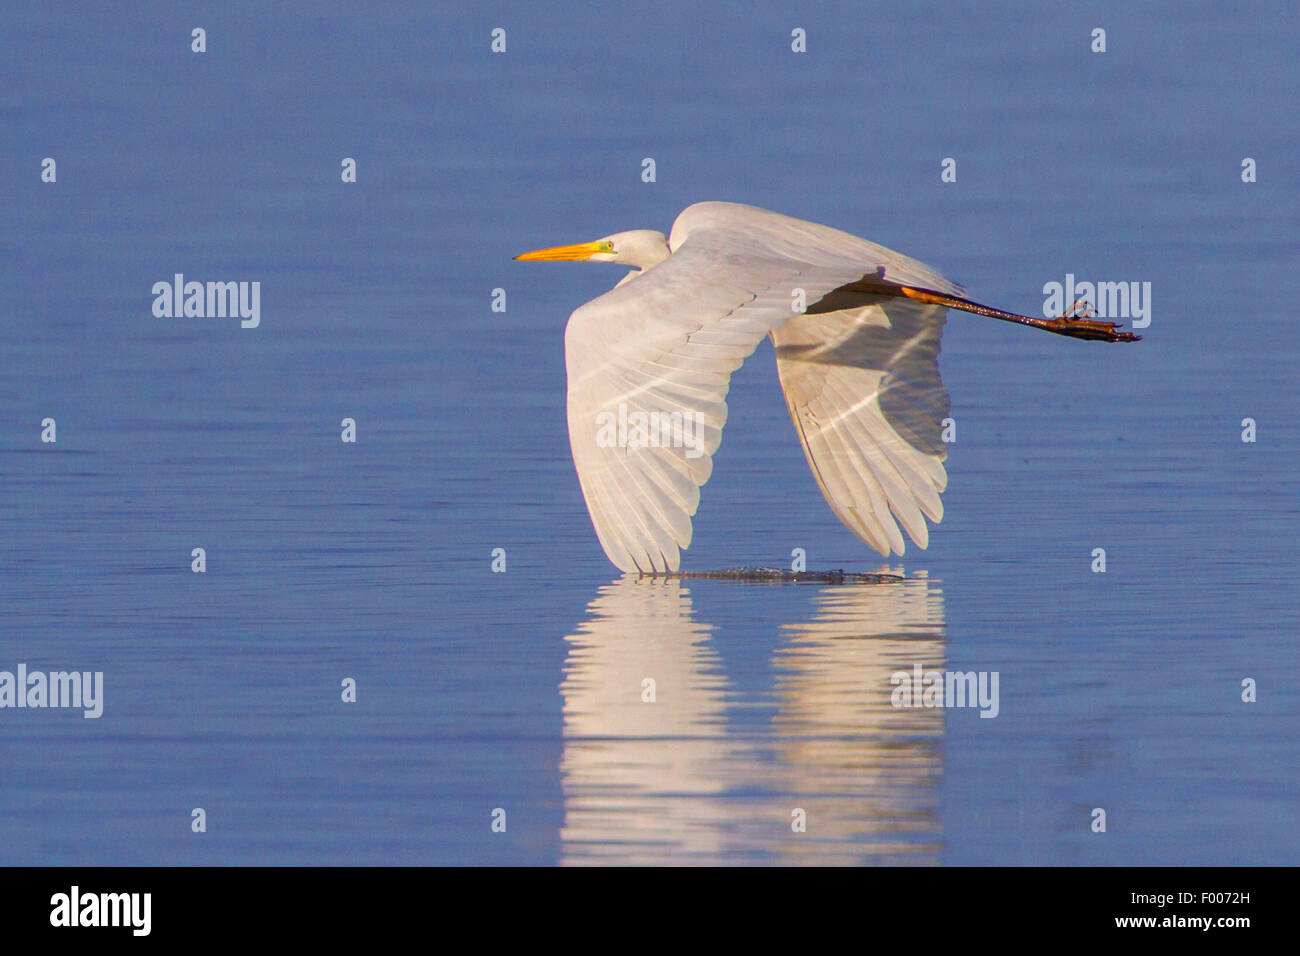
{"points": [[521, 690]]}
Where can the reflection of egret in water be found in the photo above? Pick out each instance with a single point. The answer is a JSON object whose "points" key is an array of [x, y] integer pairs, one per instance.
{"points": [[633, 770], [674, 781], [866, 773]]}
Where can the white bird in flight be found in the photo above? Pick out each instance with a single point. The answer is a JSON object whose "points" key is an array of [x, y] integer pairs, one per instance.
{"points": [[856, 328]]}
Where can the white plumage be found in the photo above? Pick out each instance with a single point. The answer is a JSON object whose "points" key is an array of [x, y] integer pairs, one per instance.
{"points": [[857, 362]]}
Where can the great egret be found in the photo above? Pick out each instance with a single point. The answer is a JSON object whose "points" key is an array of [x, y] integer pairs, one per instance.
{"points": [[856, 328]]}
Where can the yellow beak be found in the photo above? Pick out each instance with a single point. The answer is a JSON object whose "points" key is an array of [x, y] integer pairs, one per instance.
{"points": [[583, 250]]}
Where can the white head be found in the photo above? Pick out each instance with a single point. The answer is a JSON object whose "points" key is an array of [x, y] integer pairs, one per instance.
{"points": [[638, 248]]}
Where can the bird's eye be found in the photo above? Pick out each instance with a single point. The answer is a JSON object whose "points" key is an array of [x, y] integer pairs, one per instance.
{"points": [[607, 246]]}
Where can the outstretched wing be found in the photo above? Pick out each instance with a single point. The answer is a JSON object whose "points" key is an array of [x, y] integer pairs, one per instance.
{"points": [[861, 380], [650, 362]]}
